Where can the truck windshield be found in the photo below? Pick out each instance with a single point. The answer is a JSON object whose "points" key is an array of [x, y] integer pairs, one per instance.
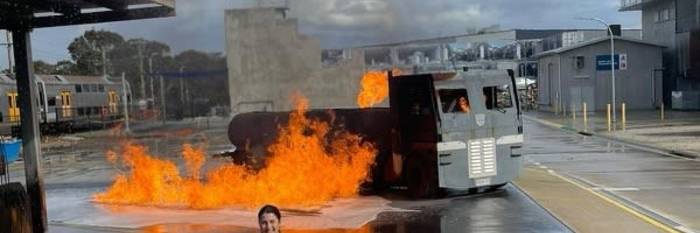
{"points": [[497, 97]]}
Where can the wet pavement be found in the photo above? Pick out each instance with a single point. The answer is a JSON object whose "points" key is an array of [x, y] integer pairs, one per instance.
{"points": [[678, 132], [662, 186], [70, 185], [505, 210], [637, 178]]}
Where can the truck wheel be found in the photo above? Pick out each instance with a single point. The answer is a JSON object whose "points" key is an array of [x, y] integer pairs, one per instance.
{"points": [[14, 209], [495, 187], [421, 179]]}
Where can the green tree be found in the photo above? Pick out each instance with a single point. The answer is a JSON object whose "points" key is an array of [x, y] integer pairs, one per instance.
{"points": [[65, 67], [205, 91], [41, 67], [137, 57], [87, 50]]}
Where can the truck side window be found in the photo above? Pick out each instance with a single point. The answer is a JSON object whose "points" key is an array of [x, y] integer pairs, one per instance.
{"points": [[497, 97], [454, 101]]}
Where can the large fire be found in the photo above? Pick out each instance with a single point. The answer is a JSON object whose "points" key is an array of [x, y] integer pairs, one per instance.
{"points": [[306, 167], [374, 88]]}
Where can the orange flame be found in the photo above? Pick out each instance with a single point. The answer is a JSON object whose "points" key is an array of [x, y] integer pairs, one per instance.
{"points": [[374, 88], [304, 168]]}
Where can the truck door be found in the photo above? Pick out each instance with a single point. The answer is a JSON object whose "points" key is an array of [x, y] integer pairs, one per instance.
{"points": [[414, 134], [457, 114]]}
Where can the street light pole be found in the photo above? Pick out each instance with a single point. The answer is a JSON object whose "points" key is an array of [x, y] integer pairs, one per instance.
{"points": [[150, 74], [612, 63]]}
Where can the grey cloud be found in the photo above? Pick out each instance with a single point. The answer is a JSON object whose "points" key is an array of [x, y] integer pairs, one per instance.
{"points": [[414, 19], [341, 23]]}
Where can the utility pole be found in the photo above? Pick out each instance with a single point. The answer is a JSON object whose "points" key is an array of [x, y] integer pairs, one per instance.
{"points": [[182, 86], [104, 62], [612, 64], [150, 71], [125, 101], [189, 101], [143, 80], [162, 99]]}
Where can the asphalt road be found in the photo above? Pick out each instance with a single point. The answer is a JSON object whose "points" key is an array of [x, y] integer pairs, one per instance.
{"points": [[658, 185], [69, 191]]}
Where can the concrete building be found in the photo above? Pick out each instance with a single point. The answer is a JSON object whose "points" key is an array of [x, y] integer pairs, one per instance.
{"points": [[573, 37], [269, 60], [514, 45], [675, 25], [581, 73]]}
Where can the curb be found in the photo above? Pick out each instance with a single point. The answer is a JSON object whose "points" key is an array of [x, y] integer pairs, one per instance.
{"points": [[681, 153]]}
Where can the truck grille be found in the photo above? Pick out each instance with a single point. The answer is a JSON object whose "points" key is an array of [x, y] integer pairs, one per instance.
{"points": [[482, 158]]}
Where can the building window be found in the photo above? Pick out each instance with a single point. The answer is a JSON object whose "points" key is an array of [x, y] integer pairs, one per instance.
{"points": [[662, 15], [579, 62], [78, 88], [86, 88]]}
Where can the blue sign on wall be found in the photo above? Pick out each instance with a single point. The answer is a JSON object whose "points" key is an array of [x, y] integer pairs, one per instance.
{"points": [[603, 62]]}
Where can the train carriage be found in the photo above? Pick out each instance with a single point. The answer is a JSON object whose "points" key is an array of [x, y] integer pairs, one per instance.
{"points": [[66, 101]]}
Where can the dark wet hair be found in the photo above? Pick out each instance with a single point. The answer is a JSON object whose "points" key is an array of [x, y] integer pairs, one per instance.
{"points": [[269, 209]]}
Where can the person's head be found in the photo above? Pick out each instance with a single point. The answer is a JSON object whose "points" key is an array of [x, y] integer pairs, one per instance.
{"points": [[464, 104], [269, 218]]}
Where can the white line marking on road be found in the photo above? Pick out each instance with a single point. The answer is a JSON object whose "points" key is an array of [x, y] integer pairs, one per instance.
{"points": [[621, 189], [684, 229]]}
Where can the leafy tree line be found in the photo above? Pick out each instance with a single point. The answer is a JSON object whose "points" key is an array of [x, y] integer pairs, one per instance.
{"points": [[97, 52]]}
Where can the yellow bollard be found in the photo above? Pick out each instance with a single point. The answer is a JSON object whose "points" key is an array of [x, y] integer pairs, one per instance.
{"points": [[609, 120], [563, 109], [585, 117], [573, 112], [624, 118], [663, 117]]}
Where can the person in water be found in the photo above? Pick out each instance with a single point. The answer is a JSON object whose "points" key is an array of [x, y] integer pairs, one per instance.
{"points": [[269, 219]]}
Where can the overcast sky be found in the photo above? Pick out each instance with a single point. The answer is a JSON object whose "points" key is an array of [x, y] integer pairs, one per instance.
{"points": [[345, 23]]}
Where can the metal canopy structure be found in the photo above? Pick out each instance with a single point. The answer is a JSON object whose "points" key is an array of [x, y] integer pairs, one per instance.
{"points": [[20, 17], [17, 14]]}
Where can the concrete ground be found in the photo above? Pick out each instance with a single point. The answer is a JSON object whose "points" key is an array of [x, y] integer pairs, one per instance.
{"points": [[75, 168], [678, 132], [659, 189], [570, 183]]}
